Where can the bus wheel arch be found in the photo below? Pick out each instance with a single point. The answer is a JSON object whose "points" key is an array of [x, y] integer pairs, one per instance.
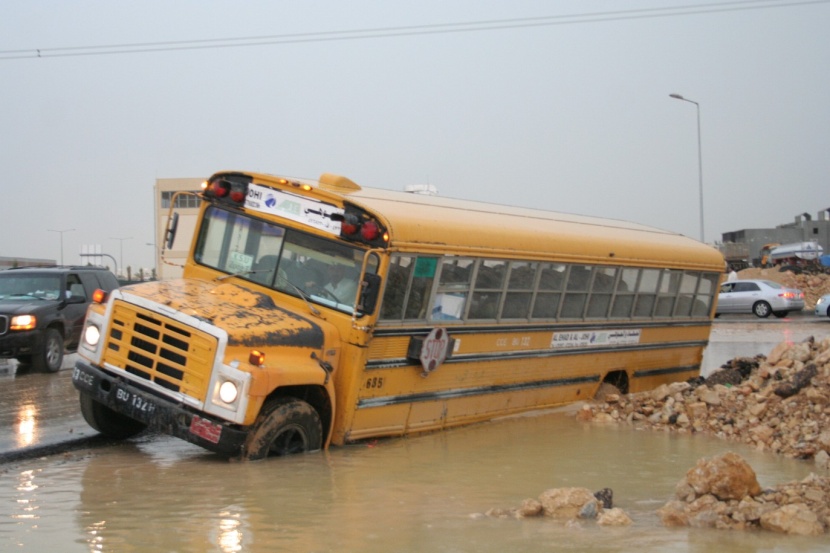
{"points": [[285, 425], [612, 383]]}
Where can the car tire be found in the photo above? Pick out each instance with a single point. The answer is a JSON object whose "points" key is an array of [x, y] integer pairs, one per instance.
{"points": [[108, 422], [285, 426], [780, 314], [49, 357], [762, 309]]}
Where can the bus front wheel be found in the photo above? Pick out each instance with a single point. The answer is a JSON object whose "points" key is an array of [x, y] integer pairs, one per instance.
{"points": [[285, 426], [108, 422]]}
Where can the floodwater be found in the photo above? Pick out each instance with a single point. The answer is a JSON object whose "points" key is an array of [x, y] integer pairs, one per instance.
{"points": [[422, 493]]}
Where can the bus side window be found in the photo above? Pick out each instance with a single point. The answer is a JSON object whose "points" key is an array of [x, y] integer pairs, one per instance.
{"points": [[453, 287], [488, 289], [601, 290], [579, 282], [519, 290], [397, 283], [646, 293], [705, 291], [626, 291]]}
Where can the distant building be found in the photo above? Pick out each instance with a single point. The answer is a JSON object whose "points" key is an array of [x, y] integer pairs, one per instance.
{"points": [[187, 206], [11, 262], [750, 241]]}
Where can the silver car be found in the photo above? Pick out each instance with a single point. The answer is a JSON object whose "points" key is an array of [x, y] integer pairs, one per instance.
{"points": [[823, 306], [760, 297]]}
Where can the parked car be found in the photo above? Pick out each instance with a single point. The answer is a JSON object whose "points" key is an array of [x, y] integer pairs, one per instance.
{"points": [[42, 311], [760, 297], [823, 306]]}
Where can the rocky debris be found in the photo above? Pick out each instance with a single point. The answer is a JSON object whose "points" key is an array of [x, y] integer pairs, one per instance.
{"points": [[813, 286], [723, 492], [778, 403], [569, 505]]}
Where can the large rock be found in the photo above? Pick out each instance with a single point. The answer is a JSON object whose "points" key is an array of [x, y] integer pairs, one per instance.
{"points": [[568, 503], [795, 518], [725, 476], [614, 517]]}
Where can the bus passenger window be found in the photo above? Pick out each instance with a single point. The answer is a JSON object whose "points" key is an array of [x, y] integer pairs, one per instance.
{"points": [[646, 294], [705, 292], [601, 291], [453, 286], [519, 290], [685, 299], [579, 280], [489, 282], [625, 293], [397, 283], [669, 285], [423, 276], [551, 280]]}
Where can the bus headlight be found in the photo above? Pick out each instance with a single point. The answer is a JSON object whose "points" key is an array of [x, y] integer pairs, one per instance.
{"points": [[228, 392], [92, 335]]}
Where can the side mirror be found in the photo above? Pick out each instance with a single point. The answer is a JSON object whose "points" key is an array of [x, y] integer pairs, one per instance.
{"points": [[369, 291], [170, 233]]}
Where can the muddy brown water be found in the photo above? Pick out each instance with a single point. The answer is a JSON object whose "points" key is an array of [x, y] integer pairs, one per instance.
{"points": [[423, 493]]}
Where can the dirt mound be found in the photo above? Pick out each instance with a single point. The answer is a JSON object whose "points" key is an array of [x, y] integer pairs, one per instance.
{"points": [[813, 286], [778, 403]]}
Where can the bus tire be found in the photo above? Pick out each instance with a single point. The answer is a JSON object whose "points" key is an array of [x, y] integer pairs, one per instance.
{"points": [[762, 309], [285, 426], [108, 422]]}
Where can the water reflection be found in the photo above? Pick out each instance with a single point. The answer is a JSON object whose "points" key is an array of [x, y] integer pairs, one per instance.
{"points": [[27, 425], [230, 533]]}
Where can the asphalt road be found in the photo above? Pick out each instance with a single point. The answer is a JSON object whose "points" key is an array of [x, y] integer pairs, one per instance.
{"points": [[40, 415]]}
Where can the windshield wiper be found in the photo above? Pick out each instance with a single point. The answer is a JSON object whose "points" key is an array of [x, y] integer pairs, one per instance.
{"points": [[302, 293], [246, 272]]}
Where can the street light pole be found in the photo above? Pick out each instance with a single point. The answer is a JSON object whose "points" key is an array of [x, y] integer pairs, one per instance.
{"points": [[699, 157], [61, 233], [121, 240]]}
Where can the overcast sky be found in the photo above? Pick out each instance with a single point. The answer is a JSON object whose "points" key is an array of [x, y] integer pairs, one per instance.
{"points": [[562, 105]]}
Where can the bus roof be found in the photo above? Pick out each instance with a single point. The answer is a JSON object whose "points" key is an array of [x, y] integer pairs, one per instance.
{"points": [[430, 223]]}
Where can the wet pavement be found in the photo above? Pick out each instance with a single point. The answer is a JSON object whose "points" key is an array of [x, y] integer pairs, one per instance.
{"points": [[40, 415], [39, 412]]}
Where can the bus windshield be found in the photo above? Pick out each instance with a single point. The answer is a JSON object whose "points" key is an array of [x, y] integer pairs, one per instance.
{"points": [[280, 257]]}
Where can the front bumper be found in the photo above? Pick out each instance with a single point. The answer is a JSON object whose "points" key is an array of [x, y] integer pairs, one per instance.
{"points": [[19, 343], [158, 413]]}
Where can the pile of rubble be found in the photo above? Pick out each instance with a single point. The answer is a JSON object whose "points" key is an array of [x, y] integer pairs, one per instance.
{"points": [[813, 286], [569, 505], [778, 403], [723, 492]]}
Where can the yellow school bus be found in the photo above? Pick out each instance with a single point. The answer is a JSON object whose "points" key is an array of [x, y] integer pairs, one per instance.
{"points": [[320, 312]]}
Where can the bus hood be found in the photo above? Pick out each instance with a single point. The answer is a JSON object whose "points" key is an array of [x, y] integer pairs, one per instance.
{"points": [[250, 318]]}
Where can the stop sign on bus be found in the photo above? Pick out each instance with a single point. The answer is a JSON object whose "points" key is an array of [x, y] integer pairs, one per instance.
{"points": [[434, 350]]}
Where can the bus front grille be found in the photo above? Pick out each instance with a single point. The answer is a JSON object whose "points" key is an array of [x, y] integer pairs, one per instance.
{"points": [[161, 350]]}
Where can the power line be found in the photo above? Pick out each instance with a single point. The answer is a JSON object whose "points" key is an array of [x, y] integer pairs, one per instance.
{"points": [[400, 31]]}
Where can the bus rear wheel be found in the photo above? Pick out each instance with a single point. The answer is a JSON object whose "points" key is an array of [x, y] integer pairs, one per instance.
{"points": [[108, 422], [285, 426]]}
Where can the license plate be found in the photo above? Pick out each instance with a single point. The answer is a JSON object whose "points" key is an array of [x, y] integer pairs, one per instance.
{"points": [[205, 429], [135, 401]]}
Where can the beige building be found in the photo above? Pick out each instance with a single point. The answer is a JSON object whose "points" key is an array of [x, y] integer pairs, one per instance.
{"points": [[187, 206]]}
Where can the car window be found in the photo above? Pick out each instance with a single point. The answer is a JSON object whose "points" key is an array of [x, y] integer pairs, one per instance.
{"points": [[726, 288], [107, 281], [746, 287]]}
